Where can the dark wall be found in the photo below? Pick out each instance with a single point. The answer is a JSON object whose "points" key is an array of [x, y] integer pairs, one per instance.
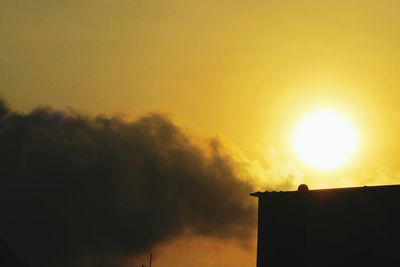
{"points": [[8, 258], [338, 227]]}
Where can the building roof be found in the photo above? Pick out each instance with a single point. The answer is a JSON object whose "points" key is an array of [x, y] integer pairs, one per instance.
{"points": [[304, 189]]}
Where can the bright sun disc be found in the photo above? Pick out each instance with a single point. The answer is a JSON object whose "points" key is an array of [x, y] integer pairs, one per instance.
{"points": [[325, 139]]}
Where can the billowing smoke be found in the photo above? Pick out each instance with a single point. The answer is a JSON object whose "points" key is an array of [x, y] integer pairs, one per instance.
{"points": [[73, 185]]}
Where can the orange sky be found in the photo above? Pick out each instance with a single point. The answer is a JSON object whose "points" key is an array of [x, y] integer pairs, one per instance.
{"points": [[244, 70]]}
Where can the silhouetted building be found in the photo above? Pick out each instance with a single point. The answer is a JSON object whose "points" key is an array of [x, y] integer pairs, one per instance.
{"points": [[357, 226]]}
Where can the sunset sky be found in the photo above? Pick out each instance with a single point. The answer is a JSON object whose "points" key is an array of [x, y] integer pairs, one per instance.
{"points": [[245, 72]]}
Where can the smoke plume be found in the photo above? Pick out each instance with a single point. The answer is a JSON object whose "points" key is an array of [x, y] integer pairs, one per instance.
{"points": [[72, 185]]}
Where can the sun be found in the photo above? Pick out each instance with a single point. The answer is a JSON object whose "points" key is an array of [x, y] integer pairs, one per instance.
{"points": [[325, 139]]}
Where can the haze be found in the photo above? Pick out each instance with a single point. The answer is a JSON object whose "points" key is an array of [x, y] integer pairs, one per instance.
{"points": [[245, 71]]}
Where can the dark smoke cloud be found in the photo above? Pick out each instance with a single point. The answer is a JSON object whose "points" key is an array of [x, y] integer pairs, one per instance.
{"points": [[73, 186]]}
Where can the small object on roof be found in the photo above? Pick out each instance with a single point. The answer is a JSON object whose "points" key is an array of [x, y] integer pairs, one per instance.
{"points": [[303, 188]]}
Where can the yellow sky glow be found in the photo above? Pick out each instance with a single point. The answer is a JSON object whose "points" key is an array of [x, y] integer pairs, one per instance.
{"points": [[246, 70]]}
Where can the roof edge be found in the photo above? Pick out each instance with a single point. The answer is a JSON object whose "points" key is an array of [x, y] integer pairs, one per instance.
{"points": [[260, 194]]}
